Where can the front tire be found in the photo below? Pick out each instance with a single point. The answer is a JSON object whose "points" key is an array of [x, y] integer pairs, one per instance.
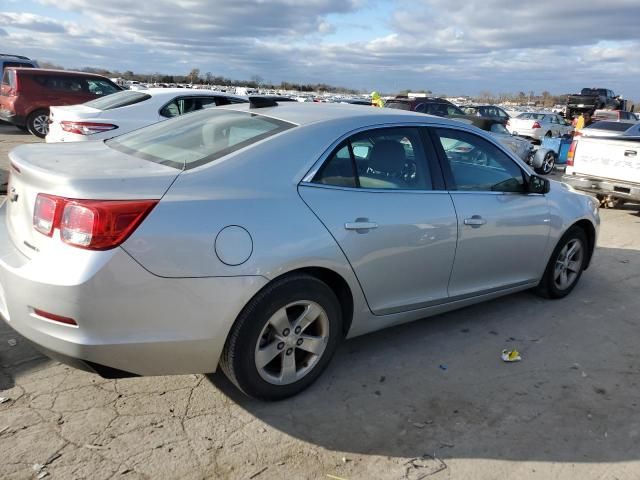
{"points": [[565, 266], [284, 338], [38, 123]]}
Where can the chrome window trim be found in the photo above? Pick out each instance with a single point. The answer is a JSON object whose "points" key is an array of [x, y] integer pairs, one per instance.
{"points": [[308, 177]]}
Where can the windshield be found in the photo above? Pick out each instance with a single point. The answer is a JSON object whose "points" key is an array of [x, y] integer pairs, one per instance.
{"points": [[119, 99], [198, 138]]}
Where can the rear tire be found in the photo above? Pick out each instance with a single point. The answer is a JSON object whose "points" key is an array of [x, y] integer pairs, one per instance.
{"points": [[565, 266], [268, 354], [38, 123], [548, 164]]}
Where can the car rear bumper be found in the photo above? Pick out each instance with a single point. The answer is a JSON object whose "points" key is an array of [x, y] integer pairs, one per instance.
{"points": [[603, 186], [10, 117], [127, 318]]}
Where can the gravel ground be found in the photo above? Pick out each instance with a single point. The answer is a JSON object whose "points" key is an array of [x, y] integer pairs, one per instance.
{"points": [[429, 398]]}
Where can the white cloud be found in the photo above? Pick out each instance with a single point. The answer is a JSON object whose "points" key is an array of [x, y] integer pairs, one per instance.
{"points": [[458, 46]]}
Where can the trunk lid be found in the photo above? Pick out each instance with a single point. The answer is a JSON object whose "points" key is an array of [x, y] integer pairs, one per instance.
{"points": [[89, 170], [616, 158]]}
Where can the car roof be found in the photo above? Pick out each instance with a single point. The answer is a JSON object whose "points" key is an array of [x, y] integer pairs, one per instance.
{"points": [[55, 72], [306, 113], [172, 92]]}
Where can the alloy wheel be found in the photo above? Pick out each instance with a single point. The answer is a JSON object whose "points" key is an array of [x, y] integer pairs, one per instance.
{"points": [[292, 342], [568, 264], [41, 124]]}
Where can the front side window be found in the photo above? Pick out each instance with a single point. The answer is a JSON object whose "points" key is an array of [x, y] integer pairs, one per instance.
{"points": [[478, 165], [197, 139], [388, 159]]}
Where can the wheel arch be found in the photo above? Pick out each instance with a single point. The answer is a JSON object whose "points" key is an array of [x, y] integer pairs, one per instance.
{"points": [[336, 283], [587, 227]]}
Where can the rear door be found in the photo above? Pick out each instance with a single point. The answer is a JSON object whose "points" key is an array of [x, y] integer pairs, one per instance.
{"points": [[381, 195], [502, 230]]}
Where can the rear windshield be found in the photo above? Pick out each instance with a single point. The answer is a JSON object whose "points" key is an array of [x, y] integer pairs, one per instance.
{"points": [[531, 116], [398, 105], [117, 100], [593, 91], [606, 114], [198, 138], [613, 126]]}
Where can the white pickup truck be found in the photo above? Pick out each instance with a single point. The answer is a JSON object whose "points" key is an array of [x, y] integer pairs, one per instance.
{"points": [[608, 167]]}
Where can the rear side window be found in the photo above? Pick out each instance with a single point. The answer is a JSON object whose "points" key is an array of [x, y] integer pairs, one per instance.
{"points": [[193, 140], [65, 83], [116, 100]]}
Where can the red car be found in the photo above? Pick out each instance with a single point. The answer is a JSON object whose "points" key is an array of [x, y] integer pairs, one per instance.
{"points": [[27, 93]]}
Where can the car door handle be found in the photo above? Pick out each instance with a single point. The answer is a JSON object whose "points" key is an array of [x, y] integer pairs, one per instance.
{"points": [[360, 224], [630, 153], [475, 221]]}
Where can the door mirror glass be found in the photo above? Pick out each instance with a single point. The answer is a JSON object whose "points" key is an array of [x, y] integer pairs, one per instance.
{"points": [[538, 184]]}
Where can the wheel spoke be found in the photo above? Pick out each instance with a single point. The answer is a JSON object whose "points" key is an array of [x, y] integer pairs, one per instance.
{"points": [[265, 355], [313, 345], [574, 266], [288, 374], [279, 321], [309, 315], [575, 247], [564, 280]]}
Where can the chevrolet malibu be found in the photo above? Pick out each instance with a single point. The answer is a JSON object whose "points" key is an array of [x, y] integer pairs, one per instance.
{"points": [[256, 237]]}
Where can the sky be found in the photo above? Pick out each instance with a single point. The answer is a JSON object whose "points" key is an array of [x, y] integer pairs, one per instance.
{"points": [[457, 47]]}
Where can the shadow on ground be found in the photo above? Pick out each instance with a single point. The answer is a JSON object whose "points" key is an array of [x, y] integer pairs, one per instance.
{"points": [[439, 386]]}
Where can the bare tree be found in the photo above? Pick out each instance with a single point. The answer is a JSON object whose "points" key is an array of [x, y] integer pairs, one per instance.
{"points": [[194, 75]]}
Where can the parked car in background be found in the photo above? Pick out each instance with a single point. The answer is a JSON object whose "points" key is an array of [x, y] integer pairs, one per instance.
{"points": [[613, 115], [606, 167], [257, 239], [27, 93], [590, 99], [610, 129], [8, 60], [538, 125], [128, 110], [429, 105], [486, 111], [541, 160]]}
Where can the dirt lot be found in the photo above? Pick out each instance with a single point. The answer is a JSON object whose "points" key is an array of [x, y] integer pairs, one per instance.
{"points": [[434, 391]]}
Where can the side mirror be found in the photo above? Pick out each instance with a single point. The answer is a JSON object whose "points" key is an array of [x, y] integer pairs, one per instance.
{"points": [[538, 185]]}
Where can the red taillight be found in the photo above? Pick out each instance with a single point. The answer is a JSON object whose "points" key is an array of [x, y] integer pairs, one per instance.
{"points": [[45, 212], [536, 125], [571, 153], [86, 128], [90, 224], [53, 317]]}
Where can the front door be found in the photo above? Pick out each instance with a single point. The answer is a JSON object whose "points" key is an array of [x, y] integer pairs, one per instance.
{"points": [[502, 230], [375, 194]]}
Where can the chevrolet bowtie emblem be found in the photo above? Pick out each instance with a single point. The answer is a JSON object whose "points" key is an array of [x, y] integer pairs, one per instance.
{"points": [[13, 195]]}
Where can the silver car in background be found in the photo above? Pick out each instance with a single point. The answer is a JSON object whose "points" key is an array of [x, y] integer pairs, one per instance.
{"points": [[538, 125], [256, 237]]}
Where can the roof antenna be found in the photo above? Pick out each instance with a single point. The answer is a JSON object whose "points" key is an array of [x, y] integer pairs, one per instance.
{"points": [[262, 102]]}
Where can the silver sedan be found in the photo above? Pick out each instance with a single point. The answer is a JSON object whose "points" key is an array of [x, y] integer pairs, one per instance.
{"points": [[257, 237]]}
